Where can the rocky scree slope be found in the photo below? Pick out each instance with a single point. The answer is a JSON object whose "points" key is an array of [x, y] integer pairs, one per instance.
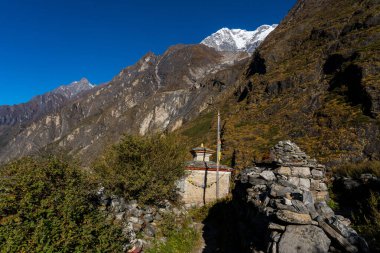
{"points": [[158, 93], [313, 80]]}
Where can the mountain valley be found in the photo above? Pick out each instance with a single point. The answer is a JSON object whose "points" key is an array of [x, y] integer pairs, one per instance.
{"points": [[105, 167]]}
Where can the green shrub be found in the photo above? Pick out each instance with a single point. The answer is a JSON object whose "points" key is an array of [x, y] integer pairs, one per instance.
{"points": [[143, 168], [47, 205], [169, 224], [367, 221], [181, 236], [332, 201]]}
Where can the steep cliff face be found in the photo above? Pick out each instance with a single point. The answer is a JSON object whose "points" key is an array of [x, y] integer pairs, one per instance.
{"points": [[315, 80], [158, 93]]}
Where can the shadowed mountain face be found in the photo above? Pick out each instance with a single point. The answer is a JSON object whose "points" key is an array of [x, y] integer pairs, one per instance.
{"points": [[315, 80], [158, 93]]}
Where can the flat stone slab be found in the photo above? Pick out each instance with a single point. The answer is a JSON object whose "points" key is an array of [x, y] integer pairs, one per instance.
{"points": [[304, 183], [301, 172], [275, 226], [284, 171], [268, 175], [295, 181], [279, 190], [337, 237], [293, 217], [256, 181], [305, 238], [299, 206], [317, 174], [324, 210]]}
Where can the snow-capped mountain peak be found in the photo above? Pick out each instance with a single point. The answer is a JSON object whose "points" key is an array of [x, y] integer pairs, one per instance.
{"points": [[74, 88], [234, 40]]}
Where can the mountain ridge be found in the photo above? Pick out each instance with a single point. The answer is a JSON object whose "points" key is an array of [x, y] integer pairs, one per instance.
{"points": [[235, 40], [314, 81], [44, 103], [74, 88], [158, 93]]}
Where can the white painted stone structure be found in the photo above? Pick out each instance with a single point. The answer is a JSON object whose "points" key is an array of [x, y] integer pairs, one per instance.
{"points": [[198, 187], [202, 154]]}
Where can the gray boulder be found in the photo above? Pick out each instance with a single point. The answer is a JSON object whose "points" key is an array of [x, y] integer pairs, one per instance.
{"points": [[149, 230], [317, 174], [299, 206], [268, 175], [324, 210], [306, 238], [148, 218], [293, 217]]}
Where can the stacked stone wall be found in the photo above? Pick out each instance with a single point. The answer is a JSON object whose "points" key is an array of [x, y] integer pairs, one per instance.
{"points": [[290, 191], [139, 222]]}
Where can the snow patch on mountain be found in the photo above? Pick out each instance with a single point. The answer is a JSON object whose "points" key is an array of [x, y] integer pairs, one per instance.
{"points": [[238, 39]]}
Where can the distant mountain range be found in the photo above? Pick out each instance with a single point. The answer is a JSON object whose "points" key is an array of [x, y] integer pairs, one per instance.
{"points": [[42, 104], [158, 93], [230, 41]]}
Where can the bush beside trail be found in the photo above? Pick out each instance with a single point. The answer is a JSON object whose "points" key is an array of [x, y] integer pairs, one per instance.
{"points": [[48, 205], [143, 168]]}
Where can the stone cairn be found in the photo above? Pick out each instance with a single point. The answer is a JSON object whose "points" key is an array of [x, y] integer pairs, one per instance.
{"points": [[291, 192], [137, 219]]}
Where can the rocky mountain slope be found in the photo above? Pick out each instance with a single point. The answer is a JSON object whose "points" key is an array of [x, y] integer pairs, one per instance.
{"points": [[313, 80], [235, 40], [74, 89], [21, 113], [158, 93], [14, 118]]}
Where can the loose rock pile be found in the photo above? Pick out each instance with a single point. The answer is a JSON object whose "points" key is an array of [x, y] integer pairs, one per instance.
{"points": [[291, 191], [136, 219]]}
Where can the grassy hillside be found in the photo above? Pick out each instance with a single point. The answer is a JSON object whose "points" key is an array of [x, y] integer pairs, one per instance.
{"points": [[314, 81]]}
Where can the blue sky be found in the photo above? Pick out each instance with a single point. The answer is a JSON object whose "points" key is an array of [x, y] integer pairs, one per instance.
{"points": [[46, 43]]}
